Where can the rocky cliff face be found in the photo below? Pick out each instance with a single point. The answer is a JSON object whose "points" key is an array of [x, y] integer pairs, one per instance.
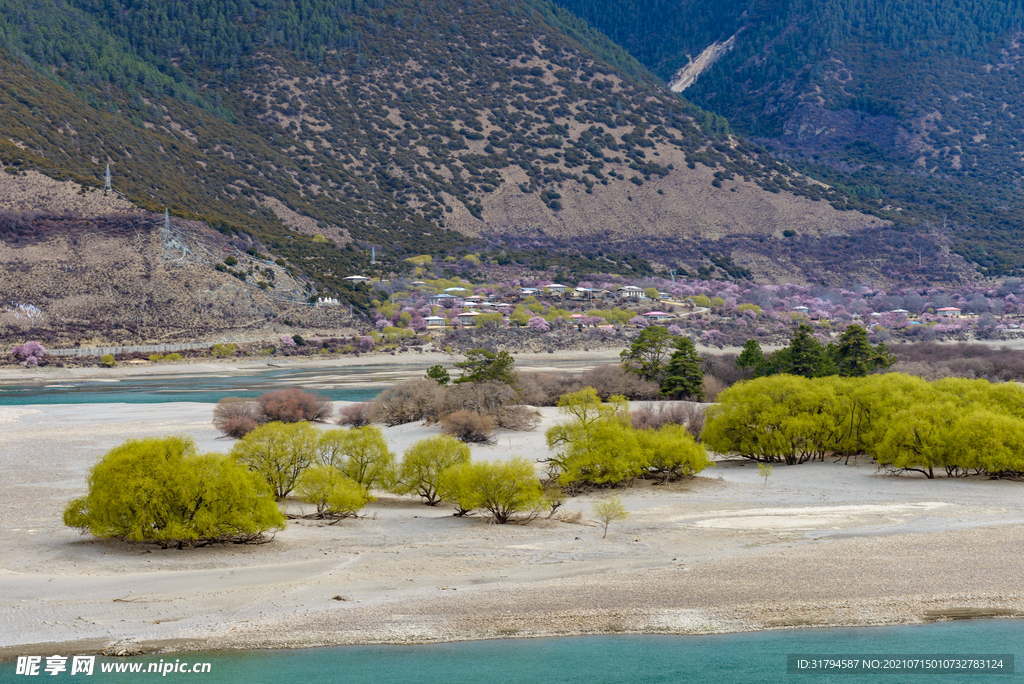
{"points": [[125, 280]]}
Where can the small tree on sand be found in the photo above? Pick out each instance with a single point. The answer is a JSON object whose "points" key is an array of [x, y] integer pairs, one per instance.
{"points": [[279, 452], [333, 494], [439, 374], [608, 510], [425, 461], [360, 454], [162, 490], [503, 489]]}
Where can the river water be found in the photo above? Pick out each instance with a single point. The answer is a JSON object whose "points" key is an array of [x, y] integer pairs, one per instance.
{"points": [[730, 658], [353, 383], [345, 383]]}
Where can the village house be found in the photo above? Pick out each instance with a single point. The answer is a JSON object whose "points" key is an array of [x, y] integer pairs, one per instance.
{"points": [[948, 312], [583, 293], [441, 298], [630, 292]]}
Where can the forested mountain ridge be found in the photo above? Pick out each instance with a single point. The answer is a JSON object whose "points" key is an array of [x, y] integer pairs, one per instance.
{"points": [[905, 104], [386, 123]]}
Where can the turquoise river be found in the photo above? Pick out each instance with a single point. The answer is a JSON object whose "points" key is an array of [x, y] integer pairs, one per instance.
{"points": [[729, 658]]}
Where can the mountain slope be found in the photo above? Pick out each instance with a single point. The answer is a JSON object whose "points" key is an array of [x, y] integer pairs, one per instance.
{"points": [[905, 104], [384, 124]]}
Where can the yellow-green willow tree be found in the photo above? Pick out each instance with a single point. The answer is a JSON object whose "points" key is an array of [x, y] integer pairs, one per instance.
{"points": [[163, 490]]}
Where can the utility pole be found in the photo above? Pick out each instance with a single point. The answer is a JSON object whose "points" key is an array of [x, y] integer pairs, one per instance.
{"points": [[106, 180]]}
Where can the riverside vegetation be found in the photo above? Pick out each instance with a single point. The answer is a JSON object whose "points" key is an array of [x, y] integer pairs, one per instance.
{"points": [[811, 402], [162, 491], [906, 424]]}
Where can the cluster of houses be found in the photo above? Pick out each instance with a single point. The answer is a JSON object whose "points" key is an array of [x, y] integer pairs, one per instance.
{"points": [[470, 306], [944, 312]]}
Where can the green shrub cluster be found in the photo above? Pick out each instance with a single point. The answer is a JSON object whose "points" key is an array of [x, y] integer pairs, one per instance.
{"points": [[906, 423], [222, 351], [156, 358], [598, 445]]}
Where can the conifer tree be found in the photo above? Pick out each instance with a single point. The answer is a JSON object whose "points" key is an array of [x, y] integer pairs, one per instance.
{"points": [[855, 357], [647, 353], [683, 375], [752, 357]]}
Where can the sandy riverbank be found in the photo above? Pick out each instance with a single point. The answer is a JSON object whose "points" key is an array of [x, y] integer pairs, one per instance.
{"points": [[820, 545]]}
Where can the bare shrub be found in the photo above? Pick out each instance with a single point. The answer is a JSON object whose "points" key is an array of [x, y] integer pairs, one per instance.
{"points": [[922, 369], [235, 416], [611, 379], [544, 389], [712, 386], [356, 415], [519, 418], [469, 426], [238, 426], [723, 367], [695, 421], [491, 398], [931, 361], [651, 416], [293, 405], [407, 402]]}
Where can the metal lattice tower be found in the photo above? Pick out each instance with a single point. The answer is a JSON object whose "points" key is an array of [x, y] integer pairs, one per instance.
{"points": [[106, 180], [373, 256]]}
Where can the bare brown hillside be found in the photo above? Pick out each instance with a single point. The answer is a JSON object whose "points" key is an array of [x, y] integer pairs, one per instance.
{"points": [[122, 279], [684, 203]]}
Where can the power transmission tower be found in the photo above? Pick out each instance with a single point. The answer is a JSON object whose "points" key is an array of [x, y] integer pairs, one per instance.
{"points": [[373, 256], [673, 272], [106, 180]]}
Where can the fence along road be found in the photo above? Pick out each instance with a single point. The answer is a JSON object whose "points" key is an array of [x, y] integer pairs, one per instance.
{"points": [[145, 348]]}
